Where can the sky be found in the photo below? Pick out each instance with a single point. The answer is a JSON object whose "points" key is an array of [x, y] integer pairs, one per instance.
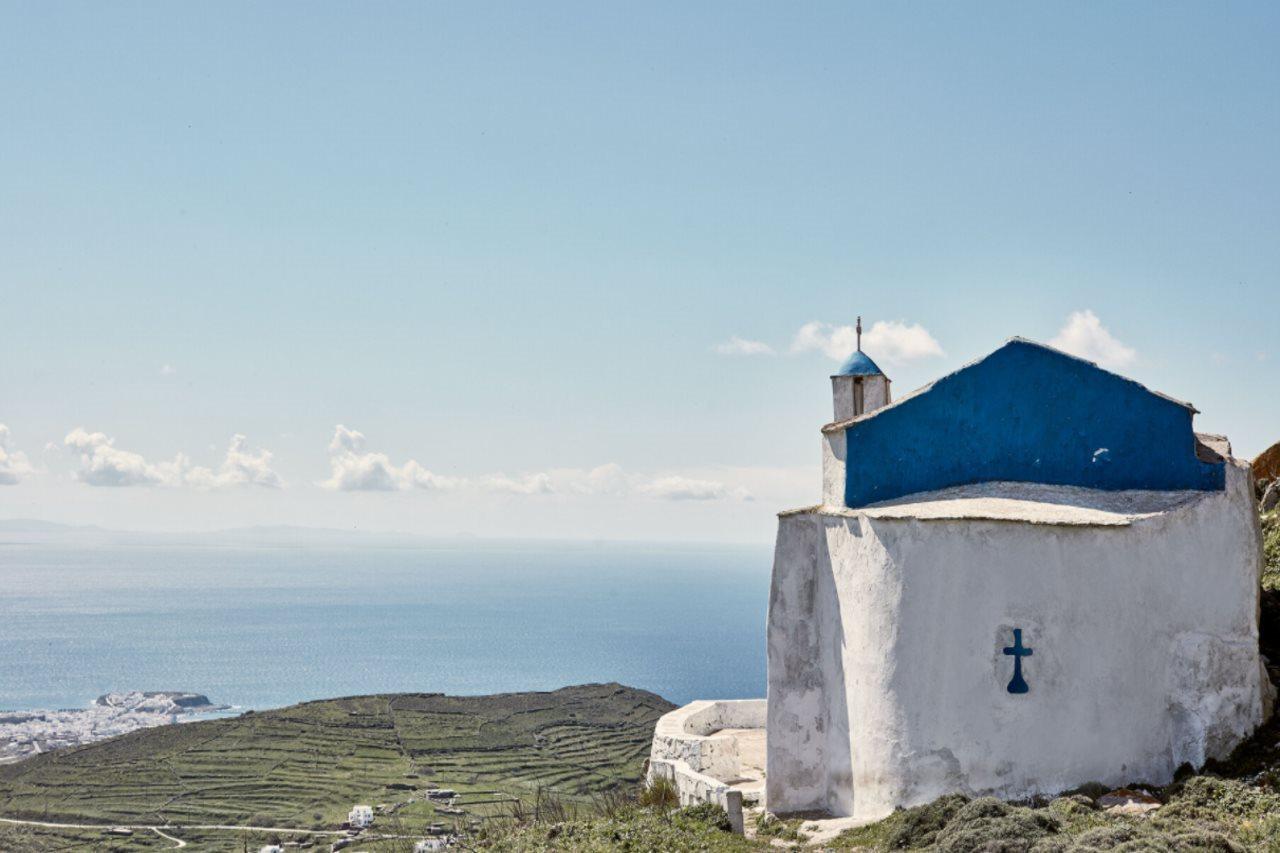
{"points": [[582, 270]]}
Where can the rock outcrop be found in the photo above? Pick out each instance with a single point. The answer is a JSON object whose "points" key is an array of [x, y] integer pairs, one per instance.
{"points": [[1267, 465]]}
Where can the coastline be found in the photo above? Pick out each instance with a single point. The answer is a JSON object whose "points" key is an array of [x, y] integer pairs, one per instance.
{"points": [[27, 733]]}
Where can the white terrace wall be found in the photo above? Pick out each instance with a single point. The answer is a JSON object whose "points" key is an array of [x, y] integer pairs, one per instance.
{"points": [[689, 749], [688, 734], [693, 788], [887, 682]]}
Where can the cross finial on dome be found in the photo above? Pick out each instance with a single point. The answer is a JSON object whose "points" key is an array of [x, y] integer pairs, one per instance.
{"points": [[859, 329]]}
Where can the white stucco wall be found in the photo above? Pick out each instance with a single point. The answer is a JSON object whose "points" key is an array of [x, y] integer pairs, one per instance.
{"points": [[875, 393], [842, 397], [693, 734], [696, 747], [693, 788], [844, 393], [833, 468], [887, 685]]}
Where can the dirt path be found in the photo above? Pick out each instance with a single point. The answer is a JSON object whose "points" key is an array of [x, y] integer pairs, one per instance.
{"points": [[177, 842], [160, 830]]}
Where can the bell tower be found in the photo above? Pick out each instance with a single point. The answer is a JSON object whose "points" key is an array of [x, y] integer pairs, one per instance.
{"points": [[859, 386]]}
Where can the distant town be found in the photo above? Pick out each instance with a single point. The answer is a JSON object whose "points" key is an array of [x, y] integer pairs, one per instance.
{"points": [[27, 733]]}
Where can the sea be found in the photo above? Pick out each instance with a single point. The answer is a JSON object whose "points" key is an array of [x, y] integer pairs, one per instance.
{"points": [[265, 626]]}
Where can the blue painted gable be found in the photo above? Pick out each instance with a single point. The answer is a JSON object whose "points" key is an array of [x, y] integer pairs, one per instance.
{"points": [[1026, 413]]}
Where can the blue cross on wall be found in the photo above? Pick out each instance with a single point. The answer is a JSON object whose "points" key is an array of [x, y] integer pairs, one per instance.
{"points": [[1018, 684]]}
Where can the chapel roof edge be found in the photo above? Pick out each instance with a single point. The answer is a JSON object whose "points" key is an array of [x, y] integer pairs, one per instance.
{"points": [[1016, 340]]}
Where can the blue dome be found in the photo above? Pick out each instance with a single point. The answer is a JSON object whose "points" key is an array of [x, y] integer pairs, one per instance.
{"points": [[859, 364]]}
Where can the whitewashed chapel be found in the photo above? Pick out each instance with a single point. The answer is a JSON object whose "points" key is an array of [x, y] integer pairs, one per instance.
{"points": [[1031, 574]]}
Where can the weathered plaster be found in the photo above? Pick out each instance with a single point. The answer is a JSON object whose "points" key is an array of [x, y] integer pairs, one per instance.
{"points": [[695, 734], [701, 746], [853, 396], [833, 477], [887, 685]]}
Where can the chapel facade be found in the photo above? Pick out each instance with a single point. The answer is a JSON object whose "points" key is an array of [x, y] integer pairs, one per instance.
{"points": [[1028, 575]]}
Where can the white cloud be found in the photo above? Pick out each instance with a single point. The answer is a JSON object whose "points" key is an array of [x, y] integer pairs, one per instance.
{"points": [[611, 480], [346, 440], [602, 481], [819, 336], [352, 469], [676, 488], [529, 484], [103, 464], [365, 472], [1084, 335], [421, 478], [893, 341], [741, 346], [13, 464], [355, 469], [168, 370], [607, 479], [241, 467]]}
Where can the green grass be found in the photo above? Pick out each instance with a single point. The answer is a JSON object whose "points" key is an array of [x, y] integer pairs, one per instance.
{"points": [[305, 765], [632, 828], [1271, 550]]}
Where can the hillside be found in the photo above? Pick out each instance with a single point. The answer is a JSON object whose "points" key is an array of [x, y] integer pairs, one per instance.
{"points": [[1231, 806], [304, 766]]}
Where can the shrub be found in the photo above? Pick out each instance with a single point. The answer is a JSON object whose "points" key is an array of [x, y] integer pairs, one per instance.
{"points": [[986, 825], [919, 827], [1073, 805], [612, 802], [1103, 838], [708, 813], [1220, 800], [659, 793], [1271, 548]]}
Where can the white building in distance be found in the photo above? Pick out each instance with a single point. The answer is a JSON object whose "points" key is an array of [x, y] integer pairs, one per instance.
{"points": [[360, 816], [1025, 576]]}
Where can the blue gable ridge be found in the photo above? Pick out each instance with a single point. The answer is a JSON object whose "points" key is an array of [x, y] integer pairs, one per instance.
{"points": [[1026, 413]]}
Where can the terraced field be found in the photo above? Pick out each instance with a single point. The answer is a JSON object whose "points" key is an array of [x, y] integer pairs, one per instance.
{"points": [[303, 767]]}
